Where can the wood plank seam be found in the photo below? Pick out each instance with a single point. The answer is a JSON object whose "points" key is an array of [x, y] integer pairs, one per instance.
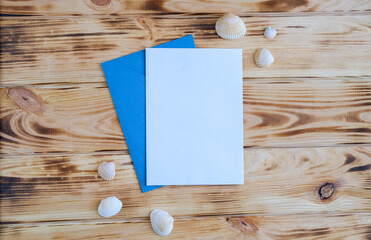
{"points": [[175, 14], [126, 152], [34, 7], [145, 219]]}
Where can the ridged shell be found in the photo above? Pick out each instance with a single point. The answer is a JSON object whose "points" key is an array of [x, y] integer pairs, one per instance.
{"points": [[270, 32], [162, 222], [109, 207], [107, 170], [263, 57], [230, 27]]}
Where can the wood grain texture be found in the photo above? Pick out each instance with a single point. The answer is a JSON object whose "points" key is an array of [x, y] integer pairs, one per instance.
{"points": [[88, 7], [305, 226], [277, 181], [59, 50], [82, 118], [57, 121]]}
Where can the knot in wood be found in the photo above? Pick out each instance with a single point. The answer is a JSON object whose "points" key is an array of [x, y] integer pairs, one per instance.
{"points": [[26, 99], [243, 224], [326, 190], [101, 3]]}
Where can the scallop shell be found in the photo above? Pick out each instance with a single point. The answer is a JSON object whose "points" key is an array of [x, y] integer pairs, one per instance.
{"points": [[107, 170], [162, 222], [270, 32], [230, 27], [109, 207], [263, 57]]}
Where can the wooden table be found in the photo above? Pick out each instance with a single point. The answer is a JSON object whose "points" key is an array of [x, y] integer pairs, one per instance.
{"points": [[307, 120]]}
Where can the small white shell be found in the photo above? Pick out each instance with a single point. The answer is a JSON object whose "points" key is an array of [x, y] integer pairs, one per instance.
{"points": [[109, 207], [162, 222], [107, 170], [230, 27], [263, 57], [270, 32]]}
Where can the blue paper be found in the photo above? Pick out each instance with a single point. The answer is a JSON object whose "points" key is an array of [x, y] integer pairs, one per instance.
{"points": [[127, 83]]}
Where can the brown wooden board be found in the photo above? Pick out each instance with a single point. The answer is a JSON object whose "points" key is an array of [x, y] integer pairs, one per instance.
{"points": [[277, 181], [40, 50], [81, 119], [303, 226]]}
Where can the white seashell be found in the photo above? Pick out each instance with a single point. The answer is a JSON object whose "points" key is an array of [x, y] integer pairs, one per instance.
{"points": [[270, 33], [109, 207], [263, 57], [107, 170], [230, 27], [162, 222]]}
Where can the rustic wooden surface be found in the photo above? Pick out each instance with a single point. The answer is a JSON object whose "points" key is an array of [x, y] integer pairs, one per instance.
{"points": [[277, 181], [306, 46], [307, 121], [290, 113], [303, 226]]}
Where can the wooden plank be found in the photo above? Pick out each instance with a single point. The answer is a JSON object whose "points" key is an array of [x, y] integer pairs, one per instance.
{"points": [[306, 226], [69, 119], [59, 50], [82, 118], [88, 7], [277, 181]]}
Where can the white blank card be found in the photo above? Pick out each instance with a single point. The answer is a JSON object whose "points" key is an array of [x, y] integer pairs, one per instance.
{"points": [[194, 116]]}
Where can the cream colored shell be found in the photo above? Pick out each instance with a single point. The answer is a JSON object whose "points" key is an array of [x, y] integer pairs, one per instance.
{"points": [[162, 222], [109, 207], [230, 27], [270, 32], [263, 57], [107, 170]]}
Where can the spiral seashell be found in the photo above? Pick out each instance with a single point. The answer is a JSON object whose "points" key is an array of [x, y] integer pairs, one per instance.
{"points": [[230, 27], [270, 32], [263, 57], [162, 222], [107, 170], [109, 207]]}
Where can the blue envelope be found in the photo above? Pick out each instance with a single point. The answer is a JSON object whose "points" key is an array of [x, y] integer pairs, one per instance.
{"points": [[127, 83]]}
